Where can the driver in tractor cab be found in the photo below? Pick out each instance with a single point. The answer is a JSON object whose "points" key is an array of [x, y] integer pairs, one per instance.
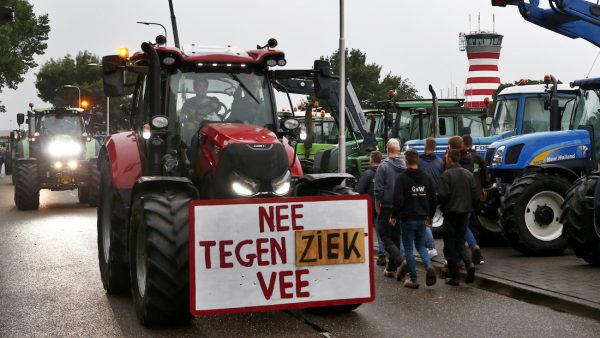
{"points": [[200, 107]]}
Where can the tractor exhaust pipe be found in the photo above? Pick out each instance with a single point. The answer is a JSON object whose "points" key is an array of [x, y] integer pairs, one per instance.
{"points": [[434, 113], [174, 24], [554, 108]]}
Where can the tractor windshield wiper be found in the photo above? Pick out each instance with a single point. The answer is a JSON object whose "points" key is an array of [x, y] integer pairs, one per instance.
{"points": [[236, 78]]}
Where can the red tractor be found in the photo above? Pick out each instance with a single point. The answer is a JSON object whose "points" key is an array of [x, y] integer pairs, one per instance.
{"points": [[205, 126]]}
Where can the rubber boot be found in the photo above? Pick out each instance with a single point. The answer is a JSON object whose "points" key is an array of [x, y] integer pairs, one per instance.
{"points": [[470, 272], [452, 274]]}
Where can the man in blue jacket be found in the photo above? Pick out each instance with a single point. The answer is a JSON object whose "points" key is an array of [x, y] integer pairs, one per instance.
{"points": [[385, 177], [434, 167], [366, 185]]}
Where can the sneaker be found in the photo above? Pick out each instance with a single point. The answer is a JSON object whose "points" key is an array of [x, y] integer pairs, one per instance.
{"points": [[410, 284], [476, 255], [388, 273], [430, 276], [401, 271], [432, 253], [470, 274], [382, 260]]}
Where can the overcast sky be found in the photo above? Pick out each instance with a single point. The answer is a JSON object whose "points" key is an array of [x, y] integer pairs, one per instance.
{"points": [[415, 39]]}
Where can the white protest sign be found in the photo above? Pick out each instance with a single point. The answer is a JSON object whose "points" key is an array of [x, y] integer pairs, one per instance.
{"points": [[279, 253]]}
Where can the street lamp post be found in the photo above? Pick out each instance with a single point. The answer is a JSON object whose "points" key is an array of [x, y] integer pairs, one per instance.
{"points": [[154, 23], [78, 92], [107, 104]]}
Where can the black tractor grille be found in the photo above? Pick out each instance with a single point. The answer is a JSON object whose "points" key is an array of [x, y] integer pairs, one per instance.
{"points": [[512, 155]]}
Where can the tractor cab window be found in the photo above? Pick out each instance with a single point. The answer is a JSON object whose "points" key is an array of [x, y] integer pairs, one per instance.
{"points": [[472, 125], [588, 110], [375, 123], [588, 113], [536, 117], [218, 97], [323, 128], [504, 117], [60, 125], [399, 123]]}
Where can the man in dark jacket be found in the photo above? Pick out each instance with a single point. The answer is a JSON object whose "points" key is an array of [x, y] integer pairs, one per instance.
{"points": [[414, 205], [457, 195], [385, 177], [470, 163], [365, 185], [434, 167]]}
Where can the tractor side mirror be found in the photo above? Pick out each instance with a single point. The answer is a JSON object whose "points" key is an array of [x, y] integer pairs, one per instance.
{"points": [[322, 79], [113, 77], [20, 118], [546, 103]]}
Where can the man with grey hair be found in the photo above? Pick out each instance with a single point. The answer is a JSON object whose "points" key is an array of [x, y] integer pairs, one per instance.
{"points": [[385, 177]]}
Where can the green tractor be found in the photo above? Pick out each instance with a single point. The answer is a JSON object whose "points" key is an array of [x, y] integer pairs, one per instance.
{"points": [[57, 154]]}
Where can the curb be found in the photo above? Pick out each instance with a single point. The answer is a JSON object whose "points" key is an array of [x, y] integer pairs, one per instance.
{"points": [[531, 294]]}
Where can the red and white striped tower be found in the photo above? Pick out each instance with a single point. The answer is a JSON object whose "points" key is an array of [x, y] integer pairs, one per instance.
{"points": [[483, 51]]}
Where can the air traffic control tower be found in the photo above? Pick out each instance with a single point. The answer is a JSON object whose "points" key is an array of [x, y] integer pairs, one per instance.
{"points": [[483, 52]]}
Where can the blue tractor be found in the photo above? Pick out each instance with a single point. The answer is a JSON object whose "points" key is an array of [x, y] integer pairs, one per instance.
{"points": [[563, 157], [518, 110]]}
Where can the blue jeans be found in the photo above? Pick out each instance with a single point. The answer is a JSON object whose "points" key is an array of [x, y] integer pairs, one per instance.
{"points": [[413, 234], [429, 241], [471, 241], [380, 249]]}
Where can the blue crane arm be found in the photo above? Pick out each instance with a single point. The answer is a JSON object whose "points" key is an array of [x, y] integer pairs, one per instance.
{"points": [[571, 18]]}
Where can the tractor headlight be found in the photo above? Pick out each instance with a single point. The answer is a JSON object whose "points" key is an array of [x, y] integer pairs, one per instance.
{"points": [[72, 164], [281, 185], [303, 134], [291, 124], [64, 148], [243, 186], [146, 132], [497, 159], [160, 121]]}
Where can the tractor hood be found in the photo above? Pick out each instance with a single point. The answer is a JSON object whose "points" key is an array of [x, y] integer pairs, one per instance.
{"points": [[518, 152], [225, 134]]}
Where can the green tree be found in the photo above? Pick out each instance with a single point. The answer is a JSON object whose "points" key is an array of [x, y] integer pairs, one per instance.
{"points": [[19, 42], [366, 79], [82, 71]]}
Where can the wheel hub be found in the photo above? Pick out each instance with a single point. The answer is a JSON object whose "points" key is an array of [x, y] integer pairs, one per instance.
{"points": [[543, 215]]}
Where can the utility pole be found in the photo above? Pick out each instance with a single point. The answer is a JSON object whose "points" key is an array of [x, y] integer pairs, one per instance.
{"points": [[342, 103]]}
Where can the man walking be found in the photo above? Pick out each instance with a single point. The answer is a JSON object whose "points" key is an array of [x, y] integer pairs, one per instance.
{"points": [[467, 162], [414, 205], [366, 186], [457, 195], [434, 167], [385, 177]]}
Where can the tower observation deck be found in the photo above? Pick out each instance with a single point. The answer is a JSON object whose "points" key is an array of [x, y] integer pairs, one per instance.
{"points": [[483, 52]]}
